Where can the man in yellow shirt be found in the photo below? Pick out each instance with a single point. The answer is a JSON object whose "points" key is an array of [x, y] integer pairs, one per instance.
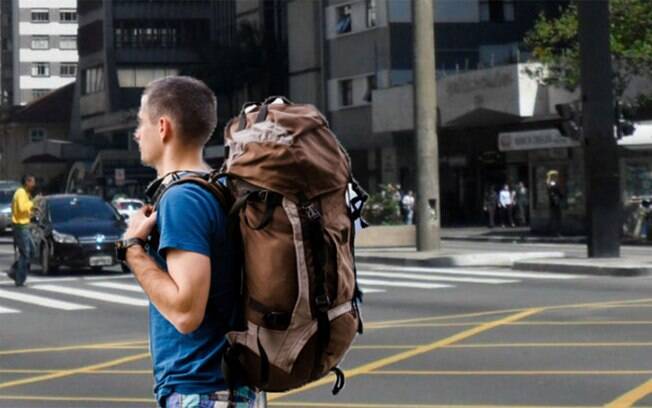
{"points": [[21, 213]]}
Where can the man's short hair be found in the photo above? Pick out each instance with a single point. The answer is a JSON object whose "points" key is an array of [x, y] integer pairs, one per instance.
{"points": [[26, 177], [188, 102]]}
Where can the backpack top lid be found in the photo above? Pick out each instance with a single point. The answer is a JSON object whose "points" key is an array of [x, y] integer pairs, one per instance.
{"points": [[287, 148]]}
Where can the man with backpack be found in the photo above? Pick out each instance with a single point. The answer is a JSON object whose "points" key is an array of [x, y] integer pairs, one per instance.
{"points": [[189, 275]]}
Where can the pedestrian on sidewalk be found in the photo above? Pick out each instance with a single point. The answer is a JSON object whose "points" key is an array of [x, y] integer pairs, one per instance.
{"points": [[555, 199], [522, 203], [489, 205], [505, 204], [21, 216], [189, 275], [408, 206]]}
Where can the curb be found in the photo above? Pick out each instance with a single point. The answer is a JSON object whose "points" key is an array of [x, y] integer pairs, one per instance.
{"points": [[581, 266], [519, 240], [499, 259]]}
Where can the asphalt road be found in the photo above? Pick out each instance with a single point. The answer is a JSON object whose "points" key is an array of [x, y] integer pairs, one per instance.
{"points": [[467, 337]]}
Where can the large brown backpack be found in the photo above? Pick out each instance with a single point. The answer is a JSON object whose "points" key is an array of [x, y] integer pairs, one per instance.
{"points": [[297, 203]]}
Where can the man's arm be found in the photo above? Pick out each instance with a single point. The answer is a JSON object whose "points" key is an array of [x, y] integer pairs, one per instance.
{"points": [[23, 202], [181, 294]]}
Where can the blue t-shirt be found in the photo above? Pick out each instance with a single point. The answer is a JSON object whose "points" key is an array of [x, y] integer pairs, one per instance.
{"points": [[190, 218]]}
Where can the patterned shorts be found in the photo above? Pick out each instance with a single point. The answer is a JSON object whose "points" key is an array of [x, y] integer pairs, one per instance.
{"points": [[244, 398]]}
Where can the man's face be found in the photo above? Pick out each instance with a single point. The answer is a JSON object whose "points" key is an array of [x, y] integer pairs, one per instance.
{"points": [[30, 183], [147, 136]]}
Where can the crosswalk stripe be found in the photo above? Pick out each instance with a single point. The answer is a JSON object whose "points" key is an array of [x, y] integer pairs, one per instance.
{"points": [[465, 271], [371, 290], [417, 285], [122, 286], [102, 277], [41, 301], [93, 294], [8, 310], [433, 278]]}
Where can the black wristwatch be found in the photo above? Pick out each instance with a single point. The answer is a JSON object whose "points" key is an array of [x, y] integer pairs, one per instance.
{"points": [[122, 245]]}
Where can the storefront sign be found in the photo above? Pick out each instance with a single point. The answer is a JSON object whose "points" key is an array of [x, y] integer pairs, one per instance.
{"points": [[533, 139]]}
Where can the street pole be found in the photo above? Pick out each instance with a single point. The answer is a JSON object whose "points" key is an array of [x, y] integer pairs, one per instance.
{"points": [[603, 206], [425, 126]]}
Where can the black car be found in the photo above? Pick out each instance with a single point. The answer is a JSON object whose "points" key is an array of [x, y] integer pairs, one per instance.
{"points": [[74, 230]]}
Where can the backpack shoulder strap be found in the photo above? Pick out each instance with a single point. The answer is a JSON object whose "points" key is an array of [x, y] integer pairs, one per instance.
{"points": [[208, 182]]}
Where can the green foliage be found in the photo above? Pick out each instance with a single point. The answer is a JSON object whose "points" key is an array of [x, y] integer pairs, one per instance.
{"points": [[554, 42], [383, 208]]}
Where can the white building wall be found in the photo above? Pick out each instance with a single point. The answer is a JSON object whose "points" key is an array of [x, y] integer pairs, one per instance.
{"points": [[23, 57]]}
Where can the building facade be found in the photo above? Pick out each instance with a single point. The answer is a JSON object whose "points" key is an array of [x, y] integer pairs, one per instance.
{"points": [[353, 59], [125, 44], [39, 48]]}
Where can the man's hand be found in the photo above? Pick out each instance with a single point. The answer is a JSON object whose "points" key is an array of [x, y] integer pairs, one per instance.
{"points": [[141, 223]]}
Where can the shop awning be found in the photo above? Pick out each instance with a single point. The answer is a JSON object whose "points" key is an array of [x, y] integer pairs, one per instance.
{"points": [[641, 139], [50, 150]]}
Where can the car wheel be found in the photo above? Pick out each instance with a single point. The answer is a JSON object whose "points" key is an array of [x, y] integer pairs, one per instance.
{"points": [[46, 266], [96, 269], [124, 268]]}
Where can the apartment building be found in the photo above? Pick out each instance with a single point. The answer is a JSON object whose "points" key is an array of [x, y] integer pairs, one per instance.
{"points": [[125, 44], [39, 48]]}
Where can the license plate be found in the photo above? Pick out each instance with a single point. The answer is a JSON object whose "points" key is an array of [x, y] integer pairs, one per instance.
{"points": [[100, 261]]}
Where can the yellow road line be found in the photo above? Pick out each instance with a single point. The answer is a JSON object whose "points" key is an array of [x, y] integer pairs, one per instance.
{"points": [[372, 325], [365, 405], [110, 372], [607, 304], [555, 345], [510, 372], [529, 323], [97, 346], [74, 371], [367, 368], [76, 399], [631, 397], [383, 346]]}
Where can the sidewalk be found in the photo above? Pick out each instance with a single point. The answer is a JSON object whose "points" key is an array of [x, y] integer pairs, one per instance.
{"points": [[519, 235], [553, 260], [512, 235]]}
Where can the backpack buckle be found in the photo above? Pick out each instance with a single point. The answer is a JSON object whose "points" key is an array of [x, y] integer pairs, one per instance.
{"points": [[311, 212], [277, 320], [322, 302]]}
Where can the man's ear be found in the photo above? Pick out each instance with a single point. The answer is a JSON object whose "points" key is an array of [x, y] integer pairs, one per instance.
{"points": [[165, 128]]}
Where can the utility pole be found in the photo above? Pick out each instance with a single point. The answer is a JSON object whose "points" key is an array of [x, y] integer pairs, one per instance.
{"points": [[603, 206], [425, 126]]}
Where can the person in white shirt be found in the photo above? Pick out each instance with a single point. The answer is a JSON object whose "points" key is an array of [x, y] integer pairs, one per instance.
{"points": [[505, 204], [408, 206]]}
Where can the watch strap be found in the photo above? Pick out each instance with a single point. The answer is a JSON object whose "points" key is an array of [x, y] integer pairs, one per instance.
{"points": [[122, 246]]}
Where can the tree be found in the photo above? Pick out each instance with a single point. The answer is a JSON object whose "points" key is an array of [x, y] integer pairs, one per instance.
{"points": [[554, 42]]}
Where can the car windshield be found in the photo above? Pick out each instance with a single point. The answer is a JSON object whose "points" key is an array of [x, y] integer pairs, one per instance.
{"points": [[80, 208]]}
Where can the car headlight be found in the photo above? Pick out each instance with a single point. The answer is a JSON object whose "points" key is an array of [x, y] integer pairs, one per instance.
{"points": [[63, 238], [6, 210]]}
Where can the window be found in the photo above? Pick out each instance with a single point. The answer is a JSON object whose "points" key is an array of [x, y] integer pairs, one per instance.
{"points": [[41, 42], [346, 92], [37, 93], [371, 13], [37, 135], [93, 80], [343, 19], [496, 11], [140, 77], [68, 69], [68, 16], [160, 33], [40, 16], [370, 86], [40, 69], [68, 42]]}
